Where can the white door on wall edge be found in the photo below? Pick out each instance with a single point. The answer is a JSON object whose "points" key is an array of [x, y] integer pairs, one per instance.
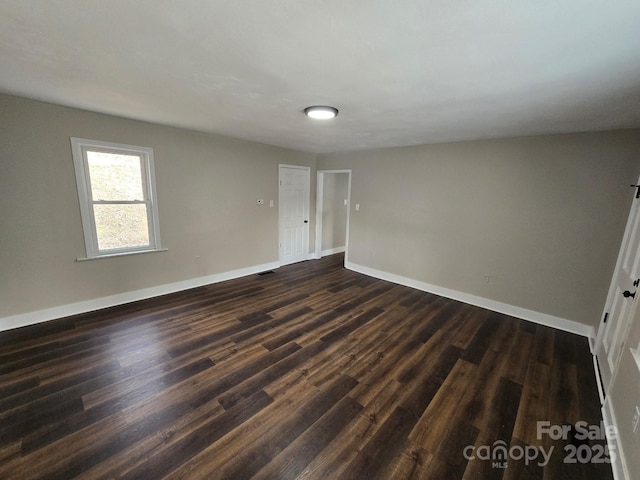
{"points": [[294, 191], [621, 300]]}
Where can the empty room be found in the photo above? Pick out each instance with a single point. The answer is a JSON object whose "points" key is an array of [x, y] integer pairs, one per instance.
{"points": [[319, 240]]}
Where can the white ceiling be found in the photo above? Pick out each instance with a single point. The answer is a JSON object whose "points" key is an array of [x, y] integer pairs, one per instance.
{"points": [[402, 72]]}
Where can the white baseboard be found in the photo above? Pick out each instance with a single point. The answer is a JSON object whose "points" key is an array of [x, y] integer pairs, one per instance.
{"points": [[332, 251], [511, 310], [32, 318], [619, 467]]}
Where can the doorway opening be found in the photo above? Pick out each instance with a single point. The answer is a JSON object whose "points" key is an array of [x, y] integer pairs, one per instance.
{"points": [[333, 202]]}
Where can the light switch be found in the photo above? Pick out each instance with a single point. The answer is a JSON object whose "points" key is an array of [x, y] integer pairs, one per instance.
{"points": [[270, 203], [346, 202], [357, 207]]}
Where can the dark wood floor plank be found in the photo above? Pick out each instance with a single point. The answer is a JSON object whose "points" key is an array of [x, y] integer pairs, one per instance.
{"points": [[484, 338], [476, 401], [496, 431], [201, 438], [412, 462], [436, 415], [518, 356], [311, 371], [51, 389], [265, 328], [472, 319], [297, 331], [374, 379], [427, 354], [54, 429], [164, 438], [387, 444], [502, 331], [11, 389], [543, 346], [325, 367], [231, 458], [294, 459], [52, 462], [351, 325], [265, 449], [133, 384], [267, 375], [533, 408], [450, 451], [382, 344]]}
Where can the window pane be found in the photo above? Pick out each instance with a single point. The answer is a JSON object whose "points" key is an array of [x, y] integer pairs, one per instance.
{"points": [[115, 176], [121, 226]]}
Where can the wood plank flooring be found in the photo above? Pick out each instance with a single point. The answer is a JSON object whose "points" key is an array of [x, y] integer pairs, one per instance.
{"points": [[311, 371]]}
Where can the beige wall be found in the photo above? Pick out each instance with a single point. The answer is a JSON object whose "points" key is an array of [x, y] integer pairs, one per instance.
{"points": [[334, 211], [207, 191], [542, 216]]}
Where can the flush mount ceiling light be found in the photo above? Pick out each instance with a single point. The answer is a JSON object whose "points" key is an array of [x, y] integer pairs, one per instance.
{"points": [[321, 112]]}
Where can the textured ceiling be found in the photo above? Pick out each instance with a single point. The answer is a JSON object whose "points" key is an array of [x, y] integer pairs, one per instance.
{"points": [[402, 72]]}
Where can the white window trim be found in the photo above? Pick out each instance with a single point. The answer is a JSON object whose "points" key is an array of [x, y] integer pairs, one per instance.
{"points": [[88, 221]]}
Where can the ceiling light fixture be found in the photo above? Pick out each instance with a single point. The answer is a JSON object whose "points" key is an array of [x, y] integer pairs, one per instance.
{"points": [[321, 112]]}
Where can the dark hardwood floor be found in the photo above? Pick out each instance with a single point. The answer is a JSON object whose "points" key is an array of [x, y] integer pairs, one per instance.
{"points": [[311, 371]]}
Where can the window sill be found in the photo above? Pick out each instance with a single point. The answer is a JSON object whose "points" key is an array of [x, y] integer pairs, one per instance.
{"points": [[120, 254]]}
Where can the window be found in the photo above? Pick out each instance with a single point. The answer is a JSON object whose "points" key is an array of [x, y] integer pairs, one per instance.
{"points": [[116, 189]]}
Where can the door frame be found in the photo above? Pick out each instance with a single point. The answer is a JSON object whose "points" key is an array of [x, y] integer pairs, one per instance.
{"points": [[308, 186], [319, 210], [605, 374]]}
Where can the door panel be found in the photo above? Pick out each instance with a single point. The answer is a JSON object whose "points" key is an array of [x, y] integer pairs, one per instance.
{"points": [[294, 213], [620, 307]]}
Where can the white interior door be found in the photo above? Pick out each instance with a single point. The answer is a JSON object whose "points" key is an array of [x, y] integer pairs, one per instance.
{"points": [[623, 294], [294, 213]]}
